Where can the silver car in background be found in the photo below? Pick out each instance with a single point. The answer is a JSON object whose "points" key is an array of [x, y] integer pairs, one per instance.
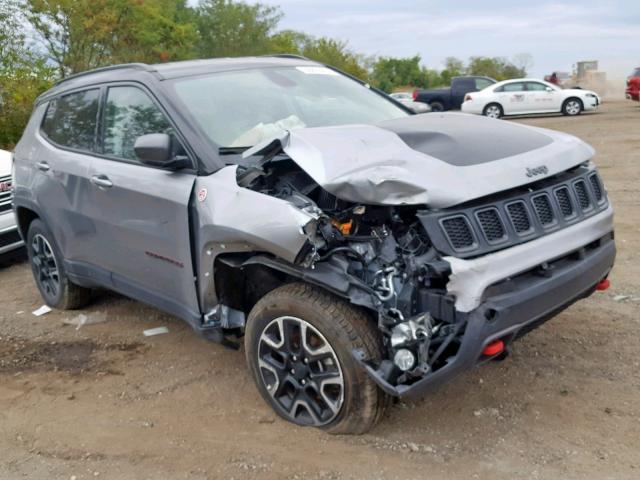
{"points": [[406, 99], [9, 236]]}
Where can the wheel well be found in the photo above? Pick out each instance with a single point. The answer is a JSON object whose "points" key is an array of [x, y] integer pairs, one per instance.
{"points": [[573, 98], [240, 287], [24, 217], [492, 103]]}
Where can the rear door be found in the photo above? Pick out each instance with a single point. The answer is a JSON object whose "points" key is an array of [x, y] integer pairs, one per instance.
{"points": [[512, 97], [539, 99], [141, 212], [60, 165]]}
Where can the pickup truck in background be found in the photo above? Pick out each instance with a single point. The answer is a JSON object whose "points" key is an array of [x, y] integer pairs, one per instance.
{"points": [[450, 98]]}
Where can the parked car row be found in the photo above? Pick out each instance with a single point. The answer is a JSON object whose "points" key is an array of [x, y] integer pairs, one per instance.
{"points": [[358, 251], [451, 98]]}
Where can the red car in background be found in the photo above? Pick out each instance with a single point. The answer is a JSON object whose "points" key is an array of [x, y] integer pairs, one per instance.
{"points": [[633, 85]]}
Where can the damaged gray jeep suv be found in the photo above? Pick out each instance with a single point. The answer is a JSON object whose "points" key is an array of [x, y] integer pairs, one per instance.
{"points": [[363, 252]]}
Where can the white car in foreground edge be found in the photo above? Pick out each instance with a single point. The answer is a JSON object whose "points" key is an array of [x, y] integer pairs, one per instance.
{"points": [[9, 236], [528, 95]]}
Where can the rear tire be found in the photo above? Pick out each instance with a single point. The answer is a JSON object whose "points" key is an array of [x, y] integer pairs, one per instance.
{"points": [[572, 107], [493, 110], [436, 107], [298, 343], [48, 270]]}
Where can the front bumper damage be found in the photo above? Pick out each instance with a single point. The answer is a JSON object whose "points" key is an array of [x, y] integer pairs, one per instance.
{"points": [[506, 294]]}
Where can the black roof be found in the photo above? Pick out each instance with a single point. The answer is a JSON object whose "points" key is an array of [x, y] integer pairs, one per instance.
{"points": [[165, 71]]}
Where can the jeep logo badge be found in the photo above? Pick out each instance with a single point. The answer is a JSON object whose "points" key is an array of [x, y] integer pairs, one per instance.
{"points": [[5, 187], [541, 170]]}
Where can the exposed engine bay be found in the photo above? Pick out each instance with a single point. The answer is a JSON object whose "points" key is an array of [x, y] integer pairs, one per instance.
{"points": [[387, 249]]}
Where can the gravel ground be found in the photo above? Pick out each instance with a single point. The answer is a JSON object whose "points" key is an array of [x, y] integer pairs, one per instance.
{"points": [[106, 402]]}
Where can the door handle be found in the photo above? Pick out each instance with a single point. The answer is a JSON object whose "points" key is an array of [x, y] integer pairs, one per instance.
{"points": [[101, 181], [43, 166]]}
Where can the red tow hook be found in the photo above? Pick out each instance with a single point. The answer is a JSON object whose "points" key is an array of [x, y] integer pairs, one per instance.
{"points": [[603, 284], [493, 348]]}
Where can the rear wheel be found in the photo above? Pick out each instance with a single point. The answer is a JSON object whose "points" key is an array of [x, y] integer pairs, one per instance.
{"points": [[48, 270], [493, 110], [299, 342], [436, 107], [572, 107]]}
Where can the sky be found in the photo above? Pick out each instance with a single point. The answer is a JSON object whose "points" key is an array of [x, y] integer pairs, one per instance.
{"points": [[556, 34]]}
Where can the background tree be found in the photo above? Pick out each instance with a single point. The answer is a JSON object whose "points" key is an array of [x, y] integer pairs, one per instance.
{"points": [[229, 28], [82, 34], [453, 67], [495, 67], [524, 62], [24, 74]]}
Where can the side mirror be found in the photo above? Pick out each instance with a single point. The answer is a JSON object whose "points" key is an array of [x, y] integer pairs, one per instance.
{"points": [[155, 149], [549, 89]]}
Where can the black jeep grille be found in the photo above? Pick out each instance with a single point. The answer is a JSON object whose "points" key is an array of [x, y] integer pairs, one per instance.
{"points": [[595, 185], [6, 195], [516, 216], [519, 217], [583, 197], [491, 225], [459, 232], [543, 209], [564, 201]]}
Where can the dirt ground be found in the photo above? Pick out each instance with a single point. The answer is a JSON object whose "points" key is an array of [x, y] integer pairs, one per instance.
{"points": [[106, 402]]}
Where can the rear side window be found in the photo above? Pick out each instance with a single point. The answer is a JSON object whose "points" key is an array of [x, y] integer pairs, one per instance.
{"points": [[70, 120], [129, 114], [636, 73], [513, 87]]}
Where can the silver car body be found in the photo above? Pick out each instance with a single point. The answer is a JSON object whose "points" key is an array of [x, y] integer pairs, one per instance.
{"points": [[158, 235]]}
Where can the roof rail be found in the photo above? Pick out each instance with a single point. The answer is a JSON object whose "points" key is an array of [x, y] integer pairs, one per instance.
{"points": [[288, 55], [137, 66]]}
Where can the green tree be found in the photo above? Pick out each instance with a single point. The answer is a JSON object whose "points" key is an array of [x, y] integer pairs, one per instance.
{"points": [[23, 75], [389, 73], [229, 29], [335, 53], [453, 67], [496, 67], [82, 34]]}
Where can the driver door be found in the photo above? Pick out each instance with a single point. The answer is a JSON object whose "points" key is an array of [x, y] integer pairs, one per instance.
{"points": [[140, 212], [513, 98], [542, 98]]}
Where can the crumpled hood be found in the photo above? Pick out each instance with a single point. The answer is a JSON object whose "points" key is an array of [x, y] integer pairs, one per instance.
{"points": [[438, 160]]}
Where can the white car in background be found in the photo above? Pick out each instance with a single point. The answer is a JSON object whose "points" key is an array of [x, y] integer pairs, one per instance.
{"points": [[9, 236], [406, 99], [528, 95]]}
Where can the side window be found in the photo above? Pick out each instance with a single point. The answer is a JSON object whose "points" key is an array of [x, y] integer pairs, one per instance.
{"points": [[129, 114], [70, 120], [536, 87], [482, 83], [513, 87]]}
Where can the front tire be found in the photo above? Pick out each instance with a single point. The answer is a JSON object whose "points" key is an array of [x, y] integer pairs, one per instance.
{"points": [[572, 107], [298, 343], [49, 272], [493, 110]]}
